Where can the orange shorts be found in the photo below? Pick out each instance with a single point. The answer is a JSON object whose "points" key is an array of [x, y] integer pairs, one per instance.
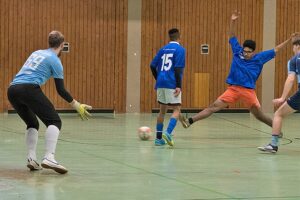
{"points": [[235, 93]]}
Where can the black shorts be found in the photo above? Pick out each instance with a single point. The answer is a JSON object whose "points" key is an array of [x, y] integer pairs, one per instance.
{"points": [[294, 101], [29, 101]]}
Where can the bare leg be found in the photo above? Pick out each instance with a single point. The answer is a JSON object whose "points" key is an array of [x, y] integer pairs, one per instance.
{"points": [[281, 113], [257, 112], [176, 111], [216, 106], [161, 115]]}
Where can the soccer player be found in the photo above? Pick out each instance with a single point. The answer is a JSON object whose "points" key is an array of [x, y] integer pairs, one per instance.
{"points": [[27, 98], [167, 69], [245, 69], [287, 106]]}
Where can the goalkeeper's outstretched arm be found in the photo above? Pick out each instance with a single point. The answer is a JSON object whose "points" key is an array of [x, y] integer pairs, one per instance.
{"points": [[60, 88], [80, 108]]}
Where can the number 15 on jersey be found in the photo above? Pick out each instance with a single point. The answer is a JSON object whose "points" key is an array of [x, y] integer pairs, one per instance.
{"points": [[166, 62]]}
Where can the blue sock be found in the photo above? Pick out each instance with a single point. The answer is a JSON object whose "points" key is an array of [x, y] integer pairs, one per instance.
{"points": [[172, 124], [275, 140], [159, 129]]}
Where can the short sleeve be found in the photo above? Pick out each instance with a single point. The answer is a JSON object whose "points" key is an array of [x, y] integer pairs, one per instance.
{"points": [[292, 65], [57, 69]]}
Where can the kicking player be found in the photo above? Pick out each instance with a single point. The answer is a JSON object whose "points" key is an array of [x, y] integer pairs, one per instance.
{"points": [[27, 98], [245, 69], [167, 69], [287, 106]]}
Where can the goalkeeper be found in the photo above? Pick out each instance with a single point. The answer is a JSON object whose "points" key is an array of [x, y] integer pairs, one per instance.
{"points": [[29, 101]]}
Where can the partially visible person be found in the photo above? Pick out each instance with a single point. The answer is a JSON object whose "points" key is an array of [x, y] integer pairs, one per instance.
{"points": [[286, 105]]}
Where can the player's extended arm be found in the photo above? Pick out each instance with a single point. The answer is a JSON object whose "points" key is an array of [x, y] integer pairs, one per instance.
{"points": [[287, 88], [234, 17], [288, 85], [80, 108], [283, 44]]}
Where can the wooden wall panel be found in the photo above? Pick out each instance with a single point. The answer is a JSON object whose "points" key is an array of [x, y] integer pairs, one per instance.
{"points": [[288, 22], [200, 95], [200, 22], [95, 68]]}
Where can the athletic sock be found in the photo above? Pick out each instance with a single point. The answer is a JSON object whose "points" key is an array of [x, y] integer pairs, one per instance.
{"points": [[191, 121], [171, 125], [51, 138], [274, 140], [159, 129], [31, 142]]}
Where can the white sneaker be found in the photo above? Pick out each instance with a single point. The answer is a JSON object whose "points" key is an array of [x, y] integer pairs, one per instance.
{"points": [[268, 148], [50, 163], [33, 164]]}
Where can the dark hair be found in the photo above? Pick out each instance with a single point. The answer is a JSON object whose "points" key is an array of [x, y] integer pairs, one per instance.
{"points": [[250, 44], [296, 42], [174, 34], [55, 39]]}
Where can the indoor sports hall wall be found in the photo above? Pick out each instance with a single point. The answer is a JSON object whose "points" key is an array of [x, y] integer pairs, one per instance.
{"points": [[288, 21], [200, 22], [95, 67]]}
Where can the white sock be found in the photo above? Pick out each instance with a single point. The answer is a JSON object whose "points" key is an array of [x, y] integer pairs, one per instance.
{"points": [[51, 137], [31, 142]]}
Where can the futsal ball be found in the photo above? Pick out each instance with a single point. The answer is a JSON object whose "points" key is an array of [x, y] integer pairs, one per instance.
{"points": [[144, 133]]}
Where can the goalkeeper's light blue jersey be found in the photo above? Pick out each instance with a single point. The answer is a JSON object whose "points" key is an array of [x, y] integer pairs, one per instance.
{"points": [[169, 57], [39, 67]]}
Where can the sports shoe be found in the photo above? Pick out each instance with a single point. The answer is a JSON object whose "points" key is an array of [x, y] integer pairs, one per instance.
{"points": [[184, 121], [159, 142], [169, 138], [50, 163], [33, 164], [269, 148]]}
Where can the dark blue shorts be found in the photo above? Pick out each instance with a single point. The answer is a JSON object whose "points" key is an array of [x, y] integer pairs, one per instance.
{"points": [[294, 101]]}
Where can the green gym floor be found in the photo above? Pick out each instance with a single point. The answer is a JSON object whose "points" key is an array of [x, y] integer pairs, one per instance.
{"points": [[215, 159]]}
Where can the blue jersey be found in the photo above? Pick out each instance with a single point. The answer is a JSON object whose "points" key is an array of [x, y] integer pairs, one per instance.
{"points": [[39, 67], [294, 66], [246, 72], [166, 60]]}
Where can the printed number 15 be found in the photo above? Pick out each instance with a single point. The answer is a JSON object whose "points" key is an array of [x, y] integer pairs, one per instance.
{"points": [[166, 62]]}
